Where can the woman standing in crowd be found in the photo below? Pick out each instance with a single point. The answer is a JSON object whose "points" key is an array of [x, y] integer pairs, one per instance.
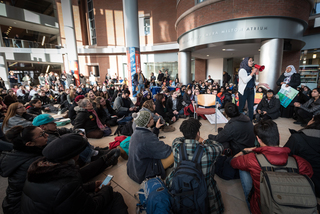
{"points": [[16, 115], [289, 78], [247, 79], [27, 143]]}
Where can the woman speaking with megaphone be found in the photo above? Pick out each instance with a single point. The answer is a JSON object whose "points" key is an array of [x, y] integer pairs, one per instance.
{"points": [[247, 79]]}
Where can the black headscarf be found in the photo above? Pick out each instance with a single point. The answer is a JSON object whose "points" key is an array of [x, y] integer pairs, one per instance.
{"points": [[245, 66]]}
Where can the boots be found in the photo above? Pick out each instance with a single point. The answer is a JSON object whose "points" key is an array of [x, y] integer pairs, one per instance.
{"points": [[168, 128]]}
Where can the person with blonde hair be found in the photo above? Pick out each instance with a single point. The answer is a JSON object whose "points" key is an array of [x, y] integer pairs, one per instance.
{"points": [[16, 115]]}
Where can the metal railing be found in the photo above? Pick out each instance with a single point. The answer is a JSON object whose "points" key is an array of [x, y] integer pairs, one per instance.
{"points": [[20, 43]]}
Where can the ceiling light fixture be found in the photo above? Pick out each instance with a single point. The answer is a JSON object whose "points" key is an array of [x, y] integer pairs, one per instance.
{"points": [[47, 68], [223, 49], [207, 55], [314, 56]]}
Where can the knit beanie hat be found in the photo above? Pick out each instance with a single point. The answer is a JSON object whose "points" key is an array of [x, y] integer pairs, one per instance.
{"points": [[64, 148], [142, 118]]}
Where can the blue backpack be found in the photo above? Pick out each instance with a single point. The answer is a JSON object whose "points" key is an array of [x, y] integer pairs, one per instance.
{"points": [[154, 197], [188, 187]]}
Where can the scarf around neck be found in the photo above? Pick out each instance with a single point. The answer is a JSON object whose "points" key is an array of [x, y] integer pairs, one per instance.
{"points": [[100, 125]]}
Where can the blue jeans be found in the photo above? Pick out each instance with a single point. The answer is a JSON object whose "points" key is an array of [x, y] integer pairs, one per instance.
{"points": [[248, 95], [246, 182], [181, 112], [140, 88]]}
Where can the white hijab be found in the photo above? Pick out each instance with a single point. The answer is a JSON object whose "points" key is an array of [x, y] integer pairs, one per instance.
{"points": [[293, 71]]}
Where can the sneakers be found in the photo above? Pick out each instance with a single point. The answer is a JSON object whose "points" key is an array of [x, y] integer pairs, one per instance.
{"points": [[168, 128]]}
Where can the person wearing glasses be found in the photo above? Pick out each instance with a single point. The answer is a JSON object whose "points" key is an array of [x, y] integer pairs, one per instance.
{"points": [[16, 115], [28, 143]]}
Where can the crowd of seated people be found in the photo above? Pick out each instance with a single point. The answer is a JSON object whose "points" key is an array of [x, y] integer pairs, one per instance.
{"points": [[93, 109]]}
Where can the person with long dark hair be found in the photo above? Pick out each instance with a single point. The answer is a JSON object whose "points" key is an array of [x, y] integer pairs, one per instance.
{"points": [[247, 79], [27, 143]]}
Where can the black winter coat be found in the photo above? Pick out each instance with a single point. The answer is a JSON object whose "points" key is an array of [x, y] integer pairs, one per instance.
{"points": [[44, 100], [187, 99], [59, 189], [14, 165], [102, 113], [170, 104], [272, 107], [72, 113], [86, 120], [294, 82], [306, 144], [161, 111], [238, 132], [33, 110]]}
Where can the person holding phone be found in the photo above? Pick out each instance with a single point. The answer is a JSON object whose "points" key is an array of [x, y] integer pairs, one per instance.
{"points": [[57, 173], [247, 81]]}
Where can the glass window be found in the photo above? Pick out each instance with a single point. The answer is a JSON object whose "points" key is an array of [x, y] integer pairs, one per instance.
{"points": [[146, 26], [316, 9], [92, 25]]}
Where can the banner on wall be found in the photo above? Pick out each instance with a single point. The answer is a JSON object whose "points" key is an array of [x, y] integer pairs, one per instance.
{"points": [[133, 63], [74, 68]]}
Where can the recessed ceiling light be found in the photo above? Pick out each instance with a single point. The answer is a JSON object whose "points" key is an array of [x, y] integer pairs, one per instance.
{"points": [[223, 49], [259, 50], [207, 55]]}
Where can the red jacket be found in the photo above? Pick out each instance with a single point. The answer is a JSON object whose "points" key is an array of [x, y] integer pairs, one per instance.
{"points": [[276, 156]]}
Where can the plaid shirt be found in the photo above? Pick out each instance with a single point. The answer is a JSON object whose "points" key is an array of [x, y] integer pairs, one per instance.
{"points": [[212, 150]]}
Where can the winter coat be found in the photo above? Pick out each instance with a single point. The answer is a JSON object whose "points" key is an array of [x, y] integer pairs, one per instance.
{"points": [[272, 107], [312, 106], [83, 80], [238, 132], [64, 191], [45, 100], [8, 100], [162, 112], [294, 81], [102, 113], [187, 99], [33, 110], [305, 144], [72, 112], [135, 79], [160, 77], [42, 80], [52, 79], [52, 135], [275, 155], [14, 165], [148, 152], [226, 78], [17, 120], [70, 79], [170, 104], [85, 120], [118, 104]]}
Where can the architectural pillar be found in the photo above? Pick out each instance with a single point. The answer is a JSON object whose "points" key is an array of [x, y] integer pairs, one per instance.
{"points": [[131, 30], [184, 67], [4, 69], [71, 46], [200, 69], [271, 53]]}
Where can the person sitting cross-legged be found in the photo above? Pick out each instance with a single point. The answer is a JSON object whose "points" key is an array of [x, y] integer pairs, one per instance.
{"points": [[54, 183], [148, 156], [212, 149], [268, 137], [268, 108]]}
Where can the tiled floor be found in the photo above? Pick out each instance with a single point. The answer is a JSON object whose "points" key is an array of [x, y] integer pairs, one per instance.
{"points": [[232, 194]]}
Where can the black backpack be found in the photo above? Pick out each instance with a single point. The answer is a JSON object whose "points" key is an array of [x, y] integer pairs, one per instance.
{"points": [[188, 187], [125, 129]]}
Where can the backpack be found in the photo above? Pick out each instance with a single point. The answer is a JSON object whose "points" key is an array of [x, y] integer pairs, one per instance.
{"points": [[188, 187], [125, 129], [153, 197], [284, 190]]}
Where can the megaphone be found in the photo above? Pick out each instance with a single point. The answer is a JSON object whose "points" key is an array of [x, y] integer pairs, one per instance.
{"points": [[259, 67]]}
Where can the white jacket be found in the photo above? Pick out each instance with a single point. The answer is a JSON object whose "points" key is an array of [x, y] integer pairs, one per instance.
{"points": [[244, 78]]}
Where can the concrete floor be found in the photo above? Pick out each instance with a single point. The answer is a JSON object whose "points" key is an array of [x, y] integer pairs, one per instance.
{"points": [[232, 193]]}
